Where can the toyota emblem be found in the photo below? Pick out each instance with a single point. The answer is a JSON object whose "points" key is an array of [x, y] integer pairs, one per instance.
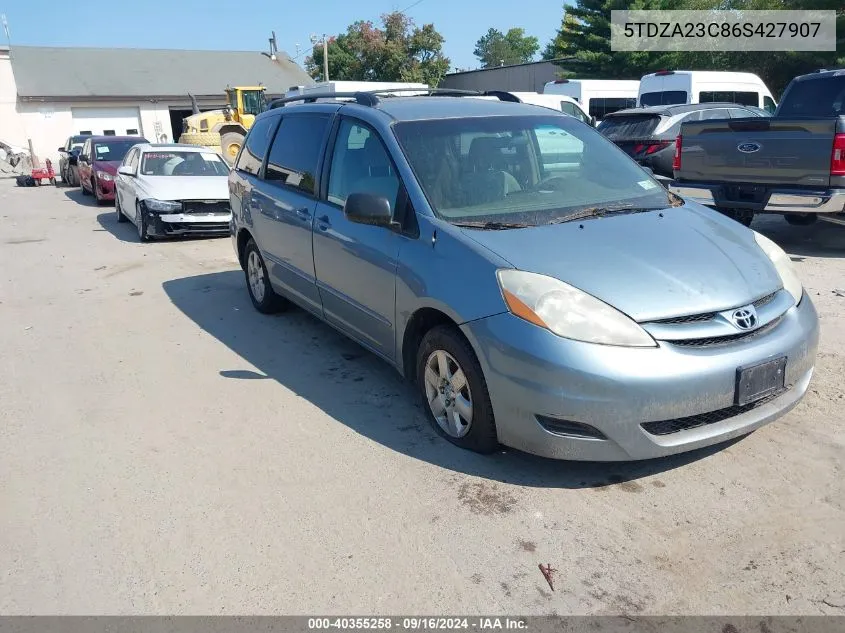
{"points": [[744, 318]]}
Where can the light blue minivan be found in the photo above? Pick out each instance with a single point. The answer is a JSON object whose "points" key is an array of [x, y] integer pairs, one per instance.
{"points": [[540, 288]]}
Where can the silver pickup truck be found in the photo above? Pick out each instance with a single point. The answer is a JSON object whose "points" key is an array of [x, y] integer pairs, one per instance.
{"points": [[791, 164]]}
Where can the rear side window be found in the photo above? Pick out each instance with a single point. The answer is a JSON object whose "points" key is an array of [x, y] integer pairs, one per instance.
{"points": [[664, 97], [602, 106], [822, 97], [715, 113], [730, 96], [573, 110], [296, 149], [257, 142], [635, 126]]}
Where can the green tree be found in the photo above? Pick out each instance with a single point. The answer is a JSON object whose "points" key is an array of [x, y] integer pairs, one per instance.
{"points": [[396, 51], [514, 47]]}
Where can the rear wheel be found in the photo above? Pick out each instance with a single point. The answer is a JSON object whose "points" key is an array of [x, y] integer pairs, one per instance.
{"points": [[452, 385], [801, 219], [263, 297]]}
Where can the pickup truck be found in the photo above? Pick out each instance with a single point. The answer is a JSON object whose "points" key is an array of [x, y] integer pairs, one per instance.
{"points": [[792, 163]]}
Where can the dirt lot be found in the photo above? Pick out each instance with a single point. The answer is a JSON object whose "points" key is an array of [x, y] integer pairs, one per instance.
{"points": [[166, 449]]}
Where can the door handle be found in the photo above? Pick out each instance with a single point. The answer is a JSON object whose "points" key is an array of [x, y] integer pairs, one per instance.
{"points": [[323, 223], [303, 214]]}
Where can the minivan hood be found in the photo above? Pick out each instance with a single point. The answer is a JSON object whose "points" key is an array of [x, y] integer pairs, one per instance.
{"points": [[659, 264], [185, 187]]}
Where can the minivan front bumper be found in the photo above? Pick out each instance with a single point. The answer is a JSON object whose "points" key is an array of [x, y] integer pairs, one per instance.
{"points": [[534, 376]]}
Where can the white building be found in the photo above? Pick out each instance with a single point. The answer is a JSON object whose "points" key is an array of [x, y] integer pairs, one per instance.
{"points": [[48, 94]]}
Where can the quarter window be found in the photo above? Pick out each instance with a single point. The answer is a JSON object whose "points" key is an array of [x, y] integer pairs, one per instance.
{"points": [[296, 150], [769, 105], [361, 164], [257, 142]]}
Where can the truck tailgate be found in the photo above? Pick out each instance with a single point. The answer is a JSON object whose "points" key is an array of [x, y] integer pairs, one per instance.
{"points": [[766, 151]]}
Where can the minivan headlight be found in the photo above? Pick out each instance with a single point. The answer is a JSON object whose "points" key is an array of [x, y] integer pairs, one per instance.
{"points": [[783, 265], [568, 311]]}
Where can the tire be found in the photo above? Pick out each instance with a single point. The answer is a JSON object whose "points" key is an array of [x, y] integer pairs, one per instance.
{"points": [[85, 192], [141, 224], [801, 219], [447, 343], [120, 216], [743, 216], [261, 293], [207, 139], [71, 175], [63, 175], [231, 143]]}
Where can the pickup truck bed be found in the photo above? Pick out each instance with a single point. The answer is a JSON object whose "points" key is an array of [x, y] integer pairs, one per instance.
{"points": [[792, 165]]}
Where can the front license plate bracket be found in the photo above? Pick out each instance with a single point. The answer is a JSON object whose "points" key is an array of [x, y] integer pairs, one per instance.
{"points": [[758, 381]]}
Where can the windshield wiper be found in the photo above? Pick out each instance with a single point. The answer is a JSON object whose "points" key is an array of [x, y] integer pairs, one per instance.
{"points": [[597, 212], [492, 226]]}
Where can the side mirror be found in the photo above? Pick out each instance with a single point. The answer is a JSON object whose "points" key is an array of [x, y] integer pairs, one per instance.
{"points": [[82, 158], [125, 170], [593, 121], [62, 150], [366, 208], [648, 170]]}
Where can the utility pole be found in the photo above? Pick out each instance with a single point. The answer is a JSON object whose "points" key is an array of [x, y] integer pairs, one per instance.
{"points": [[325, 42], [6, 28]]}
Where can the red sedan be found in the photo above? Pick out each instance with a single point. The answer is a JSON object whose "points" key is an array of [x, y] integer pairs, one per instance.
{"points": [[98, 162]]}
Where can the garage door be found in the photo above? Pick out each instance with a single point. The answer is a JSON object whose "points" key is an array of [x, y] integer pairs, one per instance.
{"points": [[108, 121]]}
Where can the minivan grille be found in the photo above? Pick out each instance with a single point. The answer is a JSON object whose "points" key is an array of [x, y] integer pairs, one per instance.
{"points": [[723, 340]]}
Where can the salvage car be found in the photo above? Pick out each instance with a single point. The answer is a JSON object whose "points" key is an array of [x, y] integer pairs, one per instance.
{"points": [[67, 161], [648, 134], [791, 164], [544, 294], [98, 161], [173, 189]]}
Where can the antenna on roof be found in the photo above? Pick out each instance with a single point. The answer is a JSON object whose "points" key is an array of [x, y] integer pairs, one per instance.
{"points": [[6, 29], [273, 47]]}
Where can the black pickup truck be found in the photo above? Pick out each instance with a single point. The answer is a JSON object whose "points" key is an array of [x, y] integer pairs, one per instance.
{"points": [[792, 163]]}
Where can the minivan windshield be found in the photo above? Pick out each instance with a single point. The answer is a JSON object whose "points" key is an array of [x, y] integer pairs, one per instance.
{"points": [[528, 170]]}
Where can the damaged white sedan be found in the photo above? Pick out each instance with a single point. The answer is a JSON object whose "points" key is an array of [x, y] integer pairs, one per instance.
{"points": [[173, 189]]}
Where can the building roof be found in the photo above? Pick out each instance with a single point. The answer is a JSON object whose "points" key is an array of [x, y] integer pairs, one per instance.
{"points": [[559, 60], [145, 73]]}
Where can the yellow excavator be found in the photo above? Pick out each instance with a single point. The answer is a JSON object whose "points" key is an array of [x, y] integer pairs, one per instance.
{"points": [[224, 130]]}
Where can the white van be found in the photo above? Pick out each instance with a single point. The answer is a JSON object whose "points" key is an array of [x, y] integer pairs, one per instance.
{"points": [[670, 87], [358, 86], [560, 103], [599, 97]]}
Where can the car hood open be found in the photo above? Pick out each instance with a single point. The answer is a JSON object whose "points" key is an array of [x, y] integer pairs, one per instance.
{"points": [[185, 187], [658, 264]]}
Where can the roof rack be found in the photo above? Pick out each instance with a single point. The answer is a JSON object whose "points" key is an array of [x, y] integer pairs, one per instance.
{"points": [[371, 98]]}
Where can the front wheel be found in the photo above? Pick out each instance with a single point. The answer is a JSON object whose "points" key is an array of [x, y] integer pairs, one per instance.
{"points": [[120, 216], [230, 143], [141, 223], [263, 297], [85, 192], [452, 385]]}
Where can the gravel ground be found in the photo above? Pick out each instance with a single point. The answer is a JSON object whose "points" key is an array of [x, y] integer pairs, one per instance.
{"points": [[166, 449]]}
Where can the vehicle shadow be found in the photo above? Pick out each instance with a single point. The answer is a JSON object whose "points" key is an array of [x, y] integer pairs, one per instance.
{"points": [[363, 392], [124, 231], [75, 194], [821, 239]]}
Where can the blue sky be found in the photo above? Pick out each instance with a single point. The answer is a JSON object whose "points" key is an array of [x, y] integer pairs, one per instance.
{"points": [[246, 26]]}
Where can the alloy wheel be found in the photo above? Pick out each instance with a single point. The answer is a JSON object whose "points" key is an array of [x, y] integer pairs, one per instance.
{"points": [[448, 394], [255, 272]]}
